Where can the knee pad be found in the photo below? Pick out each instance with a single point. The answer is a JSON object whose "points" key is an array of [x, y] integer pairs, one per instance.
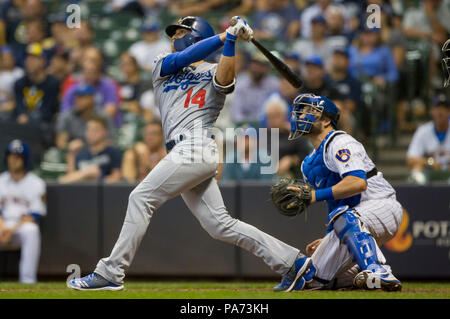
{"points": [[360, 244]]}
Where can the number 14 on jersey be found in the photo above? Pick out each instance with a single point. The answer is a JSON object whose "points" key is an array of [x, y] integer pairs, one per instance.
{"points": [[198, 98]]}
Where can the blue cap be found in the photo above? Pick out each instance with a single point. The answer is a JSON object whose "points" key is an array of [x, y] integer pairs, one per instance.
{"points": [[316, 60], [84, 89], [292, 56], [319, 19], [366, 28], [343, 51], [21, 148], [150, 26], [441, 100], [6, 49]]}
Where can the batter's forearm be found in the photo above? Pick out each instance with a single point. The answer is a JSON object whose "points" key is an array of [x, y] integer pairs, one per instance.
{"points": [[226, 68]]}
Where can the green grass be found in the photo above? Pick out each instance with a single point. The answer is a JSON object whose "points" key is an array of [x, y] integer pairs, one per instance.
{"points": [[214, 290]]}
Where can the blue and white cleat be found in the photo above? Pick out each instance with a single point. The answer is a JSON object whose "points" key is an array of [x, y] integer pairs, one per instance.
{"points": [[380, 279], [93, 282], [294, 278]]}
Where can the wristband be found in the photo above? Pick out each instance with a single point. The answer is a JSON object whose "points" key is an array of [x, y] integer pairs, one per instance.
{"points": [[229, 47], [324, 194]]}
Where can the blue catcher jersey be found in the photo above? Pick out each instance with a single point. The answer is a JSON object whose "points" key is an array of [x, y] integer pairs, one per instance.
{"points": [[338, 155]]}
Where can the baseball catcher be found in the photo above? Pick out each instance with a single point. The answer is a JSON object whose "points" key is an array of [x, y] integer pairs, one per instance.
{"points": [[363, 211]]}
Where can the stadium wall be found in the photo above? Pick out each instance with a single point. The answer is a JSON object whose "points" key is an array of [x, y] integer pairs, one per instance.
{"points": [[84, 221]]}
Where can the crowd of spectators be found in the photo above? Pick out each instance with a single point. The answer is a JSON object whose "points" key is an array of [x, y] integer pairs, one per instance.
{"points": [[98, 124]]}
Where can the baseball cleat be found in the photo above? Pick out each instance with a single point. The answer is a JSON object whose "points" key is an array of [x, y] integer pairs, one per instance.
{"points": [[294, 278], [377, 280], [93, 282]]}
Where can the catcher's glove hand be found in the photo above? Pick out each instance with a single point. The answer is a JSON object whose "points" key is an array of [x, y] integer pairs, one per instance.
{"points": [[290, 202]]}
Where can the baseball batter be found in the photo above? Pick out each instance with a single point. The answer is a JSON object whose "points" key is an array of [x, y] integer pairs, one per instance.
{"points": [[363, 211], [190, 94], [22, 203]]}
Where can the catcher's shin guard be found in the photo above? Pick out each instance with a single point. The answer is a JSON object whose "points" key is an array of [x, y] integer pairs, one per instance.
{"points": [[360, 244]]}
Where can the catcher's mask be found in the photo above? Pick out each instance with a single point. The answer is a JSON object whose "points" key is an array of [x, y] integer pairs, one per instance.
{"points": [[307, 108], [200, 30], [446, 62]]}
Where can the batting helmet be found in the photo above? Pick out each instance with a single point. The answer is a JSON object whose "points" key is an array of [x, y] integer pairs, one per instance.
{"points": [[304, 113], [200, 29], [20, 148]]}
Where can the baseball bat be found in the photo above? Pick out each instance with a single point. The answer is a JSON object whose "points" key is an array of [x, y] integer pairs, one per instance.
{"points": [[281, 67]]}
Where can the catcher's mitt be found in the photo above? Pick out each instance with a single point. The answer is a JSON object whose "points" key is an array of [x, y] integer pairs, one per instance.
{"points": [[289, 202]]}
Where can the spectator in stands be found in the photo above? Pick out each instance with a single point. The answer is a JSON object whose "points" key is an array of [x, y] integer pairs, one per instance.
{"points": [[107, 98], [61, 34], [37, 33], [318, 8], [151, 45], [278, 21], [337, 35], [373, 64], [22, 203], [130, 94], [428, 21], [148, 105], [315, 80], [285, 90], [83, 38], [252, 88], [139, 160], [9, 74], [392, 34], [429, 152], [97, 161], [317, 44], [59, 66], [71, 125], [92, 55], [130, 86], [369, 58], [11, 13], [348, 87], [245, 163], [37, 93], [70, 133], [291, 153]]}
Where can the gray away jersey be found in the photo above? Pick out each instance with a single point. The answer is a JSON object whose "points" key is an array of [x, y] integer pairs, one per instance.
{"points": [[189, 99]]}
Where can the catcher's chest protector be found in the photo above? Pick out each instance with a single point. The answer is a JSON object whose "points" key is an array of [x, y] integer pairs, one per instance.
{"points": [[319, 176]]}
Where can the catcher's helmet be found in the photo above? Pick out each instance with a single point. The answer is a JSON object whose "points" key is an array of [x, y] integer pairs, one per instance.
{"points": [[304, 113], [20, 148], [200, 29], [446, 62]]}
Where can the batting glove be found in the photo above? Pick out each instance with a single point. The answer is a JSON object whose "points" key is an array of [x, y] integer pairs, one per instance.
{"points": [[239, 29]]}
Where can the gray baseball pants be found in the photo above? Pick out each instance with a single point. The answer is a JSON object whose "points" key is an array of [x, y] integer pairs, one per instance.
{"points": [[189, 170]]}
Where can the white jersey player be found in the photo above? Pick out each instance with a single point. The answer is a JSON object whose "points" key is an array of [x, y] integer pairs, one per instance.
{"points": [[22, 203], [190, 94], [363, 211]]}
